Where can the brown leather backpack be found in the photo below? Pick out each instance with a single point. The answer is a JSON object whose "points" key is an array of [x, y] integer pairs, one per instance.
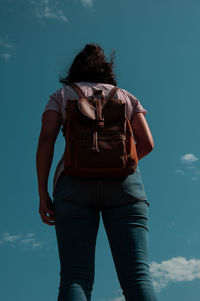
{"points": [[99, 137]]}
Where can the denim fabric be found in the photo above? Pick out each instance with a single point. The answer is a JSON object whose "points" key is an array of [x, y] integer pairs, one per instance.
{"points": [[101, 192], [76, 231]]}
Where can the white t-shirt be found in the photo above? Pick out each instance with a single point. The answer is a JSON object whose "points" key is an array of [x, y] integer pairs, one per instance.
{"points": [[58, 102]]}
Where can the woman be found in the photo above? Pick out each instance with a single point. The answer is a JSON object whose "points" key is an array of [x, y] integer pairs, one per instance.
{"points": [[78, 202]]}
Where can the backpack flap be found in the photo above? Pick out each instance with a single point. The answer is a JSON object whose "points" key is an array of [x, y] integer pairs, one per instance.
{"points": [[114, 110], [87, 108]]}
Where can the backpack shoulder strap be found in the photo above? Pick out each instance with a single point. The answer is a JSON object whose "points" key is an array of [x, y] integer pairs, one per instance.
{"points": [[112, 93], [78, 90]]}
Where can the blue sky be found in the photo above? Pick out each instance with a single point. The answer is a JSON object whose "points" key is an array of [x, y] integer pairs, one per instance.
{"points": [[157, 59]]}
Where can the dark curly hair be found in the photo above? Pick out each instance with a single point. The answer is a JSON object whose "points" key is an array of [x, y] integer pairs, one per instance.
{"points": [[91, 65]]}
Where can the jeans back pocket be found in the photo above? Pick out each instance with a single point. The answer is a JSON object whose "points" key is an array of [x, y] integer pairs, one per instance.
{"points": [[67, 187]]}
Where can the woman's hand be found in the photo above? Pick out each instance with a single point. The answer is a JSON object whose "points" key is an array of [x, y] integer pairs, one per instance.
{"points": [[46, 209]]}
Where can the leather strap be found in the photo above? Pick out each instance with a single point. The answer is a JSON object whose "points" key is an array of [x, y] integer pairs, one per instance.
{"points": [[78, 90], [112, 93], [99, 117]]}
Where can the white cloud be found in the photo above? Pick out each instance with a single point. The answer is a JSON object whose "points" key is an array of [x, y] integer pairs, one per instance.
{"points": [[194, 178], [5, 44], [47, 9], [180, 172], [30, 242], [6, 49], [27, 240], [36, 245], [7, 237], [117, 299], [87, 3], [188, 168], [30, 234], [6, 56], [176, 269], [189, 158]]}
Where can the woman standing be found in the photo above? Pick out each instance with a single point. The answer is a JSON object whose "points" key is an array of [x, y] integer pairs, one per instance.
{"points": [[78, 202]]}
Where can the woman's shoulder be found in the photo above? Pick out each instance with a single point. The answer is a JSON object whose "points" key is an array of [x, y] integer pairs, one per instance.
{"points": [[68, 91], [128, 94]]}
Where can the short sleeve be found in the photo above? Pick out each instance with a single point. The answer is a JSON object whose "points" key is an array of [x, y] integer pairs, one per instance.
{"points": [[136, 105], [54, 103]]}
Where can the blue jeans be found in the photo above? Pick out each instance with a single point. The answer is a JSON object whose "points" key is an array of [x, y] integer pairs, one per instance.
{"points": [[76, 231]]}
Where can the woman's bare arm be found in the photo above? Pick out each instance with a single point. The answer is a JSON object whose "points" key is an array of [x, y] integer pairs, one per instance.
{"points": [[142, 135], [51, 123]]}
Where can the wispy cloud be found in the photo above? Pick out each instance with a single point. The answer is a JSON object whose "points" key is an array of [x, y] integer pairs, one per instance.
{"points": [[180, 172], [24, 240], [117, 299], [188, 168], [87, 3], [5, 44], [177, 269], [6, 56], [189, 158], [7, 237], [47, 9], [6, 49]]}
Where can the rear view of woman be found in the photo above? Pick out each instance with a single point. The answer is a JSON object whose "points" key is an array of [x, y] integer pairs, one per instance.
{"points": [[79, 202]]}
